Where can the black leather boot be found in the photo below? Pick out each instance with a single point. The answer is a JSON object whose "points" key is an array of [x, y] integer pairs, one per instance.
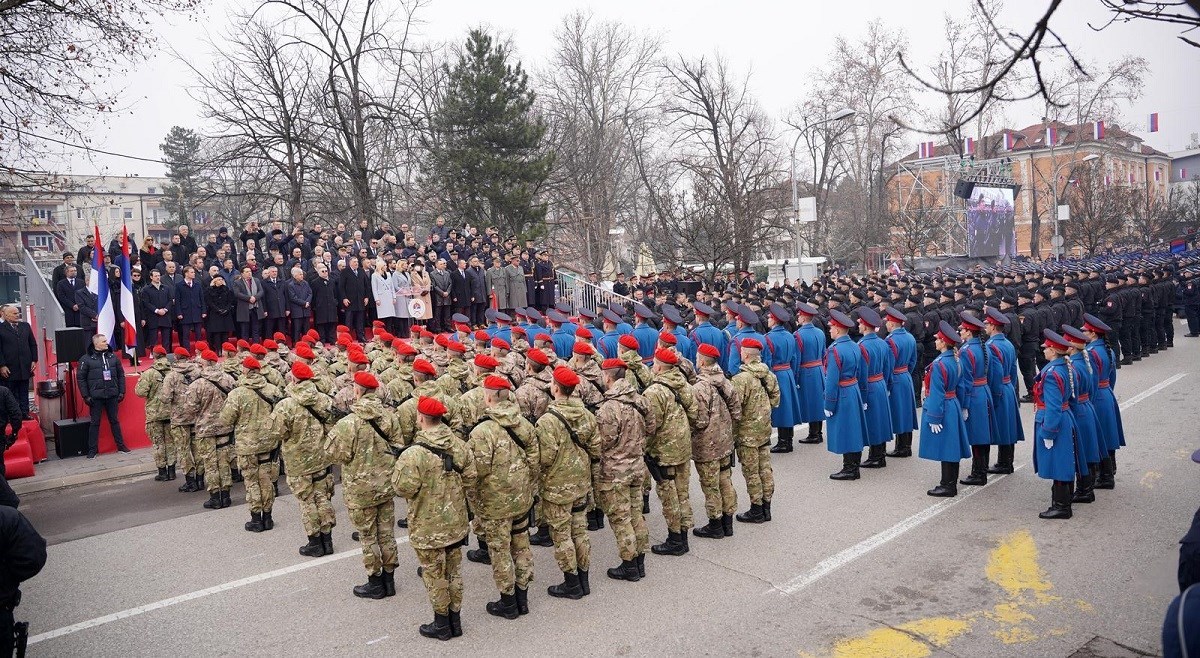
{"points": [[1004, 460], [200, 486], [327, 542], [214, 501], [903, 446], [236, 475], [980, 457], [849, 467], [673, 545], [641, 565], [1085, 489], [766, 505], [389, 583], [171, 472], [876, 457], [542, 536], [592, 525], [268, 522], [815, 433], [372, 589], [506, 607], [522, 597], [784, 444], [440, 629], [1106, 479], [225, 500], [627, 570], [189, 484], [599, 519], [753, 515], [1060, 501], [727, 524], [584, 583], [645, 503], [713, 530], [569, 589], [255, 524], [683, 539], [313, 548], [162, 475], [455, 623], [481, 554], [948, 487]]}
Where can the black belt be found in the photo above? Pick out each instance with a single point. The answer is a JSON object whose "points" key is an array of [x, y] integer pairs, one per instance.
{"points": [[579, 507], [227, 443], [318, 478], [270, 456]]}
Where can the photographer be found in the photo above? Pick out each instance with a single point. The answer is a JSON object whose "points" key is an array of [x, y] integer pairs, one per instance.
{"points": [[22, 556]]}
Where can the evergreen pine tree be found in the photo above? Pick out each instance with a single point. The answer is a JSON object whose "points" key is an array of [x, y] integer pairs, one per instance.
{"points": [[181, 153]]}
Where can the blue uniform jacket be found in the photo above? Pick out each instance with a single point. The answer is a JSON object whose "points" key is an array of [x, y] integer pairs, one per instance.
{"points": [[1002, 382], [810, 378], [941, 407], [647, 338], [782, 348], [563, 342], [902, 400], [874, 381], [847, 427], [733, 364], [705, 333], [1112, 433], [981, 427], [1053, 421], [684, 344], [1087, 428], [608, 344]]}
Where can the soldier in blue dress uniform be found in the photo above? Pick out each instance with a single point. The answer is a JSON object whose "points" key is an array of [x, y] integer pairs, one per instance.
{"points": [[843, 399], [810, 379], [977, 402], [943, 434], [1054, 450], [747, 320], [1003, 375], [874, 383], [645, 333], [673, 324], [902, 401], [706, 334], [563, 338], [1087, 428], [1104, 371], [781, 351]]}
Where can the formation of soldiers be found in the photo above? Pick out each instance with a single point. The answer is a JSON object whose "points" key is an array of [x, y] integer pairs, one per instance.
{"points": [[539, 428]]}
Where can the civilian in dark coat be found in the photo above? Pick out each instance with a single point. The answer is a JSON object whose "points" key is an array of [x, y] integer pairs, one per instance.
{"points": [[325, 298], [190, 311], [274, 302], [102, 386], [250, 309], [221, 304], [64, 291], [442, 294], [158, 309], [18, 355], [461, 289], [89, 310], [477, 280], [60, 271], [22, 556], [84, 257], [354, 284], [299, 303]]}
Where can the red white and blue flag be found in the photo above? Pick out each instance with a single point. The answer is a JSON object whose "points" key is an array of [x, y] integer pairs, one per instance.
{"points": [[106, 320], [127, 310], [1051, 135], [1157, 175], [969, 146], [1183, 174], [1153, 122], [1009, 141], [895, 270], [925, 150], [1098, 130], [1131, 178]]}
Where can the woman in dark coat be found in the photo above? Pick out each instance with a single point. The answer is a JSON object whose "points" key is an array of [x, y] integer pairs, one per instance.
{"points": [[221, 304]]}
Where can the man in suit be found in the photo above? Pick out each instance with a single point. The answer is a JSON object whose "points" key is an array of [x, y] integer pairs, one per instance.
{"points": [[89, 309], [60, 272], [250, 307], [299, 303], [190, 309], [324, 303], [157, 302], [18, 355], [274, 302], [477, 280], [65, 291], [86, 251], [461, 289], [353, 284], [442, 295]]}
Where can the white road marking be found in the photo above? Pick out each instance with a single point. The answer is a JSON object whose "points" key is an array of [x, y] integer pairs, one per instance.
{"points": [[198, 594], [378, 639], [1151, 391]]}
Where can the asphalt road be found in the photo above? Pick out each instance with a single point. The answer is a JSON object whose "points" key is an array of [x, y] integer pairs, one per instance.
{"points": [[867, 568]]}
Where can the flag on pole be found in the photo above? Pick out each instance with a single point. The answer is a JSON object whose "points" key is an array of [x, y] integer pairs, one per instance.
{"points": [[127, 310], [969, 146], [106, 320], [1157, 175], [895, 270], [923, 150], [1183, 174], [1153, 122], [1051, 135], [1009, 141], [1098, 130], [1131, 177], [1107, 180]]}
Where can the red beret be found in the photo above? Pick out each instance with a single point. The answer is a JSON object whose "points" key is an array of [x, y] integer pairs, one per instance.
{"points": [[501, 343], [496, 383], [366, 380], [482, 335], [455, 346], [251, 363], [465, 328], [710, 351], [301, 371], [228, 347], [343, 329], [628, 341], [279, 336], [752, 343], [258, 350], [486, 361], [270, 344], [182, 353], [518, 331], [209, 355], [200, 346], [378, 331], [243, 344], [538, 356], [565, 376], [668, 338], [442, 340], [582, 348], [666, 356], [344, 339], [612, 364], [312, 335], [404, 347], [358, 357], [378, 323], [543, 336], [421, 365], [583, 332], [431, 407], [159, 350], [304, 351]]}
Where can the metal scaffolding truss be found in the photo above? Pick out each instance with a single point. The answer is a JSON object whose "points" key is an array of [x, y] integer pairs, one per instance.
{"points": [[926, 186]]}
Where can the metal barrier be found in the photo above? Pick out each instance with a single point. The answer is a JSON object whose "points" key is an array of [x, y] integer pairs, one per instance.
{"points": [[585, 294], [42, 310]]}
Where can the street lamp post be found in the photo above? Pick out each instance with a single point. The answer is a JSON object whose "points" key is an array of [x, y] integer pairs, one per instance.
{"points": [[840, 115], [1054, 184]]}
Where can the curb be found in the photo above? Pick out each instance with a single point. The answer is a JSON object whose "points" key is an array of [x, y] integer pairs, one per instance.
{"points": [[22, 487]]}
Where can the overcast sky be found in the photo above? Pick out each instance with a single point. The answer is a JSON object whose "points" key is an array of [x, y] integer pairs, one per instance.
{"points": [[778, 42]]}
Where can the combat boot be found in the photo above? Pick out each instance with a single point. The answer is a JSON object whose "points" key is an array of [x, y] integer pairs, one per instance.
{"points": [[189, 484], [389, 583], [627, 570], [592, 525], [980, 456], [200, 486], [1106, 479], [455, 623], [948, 487], [645, 503], [727, 524], [1085, 490], [313, 548], [784, 444], [670, 547], [480, 555], [766, 505], [584, 584], [1004, 460], [372, 589], [903, 446], [569, 589], [876, 457], [162, 475], [237, 475], [171, 472], [402, 522], [506, 607], [214, 501], [542, 536], [753, 515], [599, 519], [849, 467], [683, 539], [327, 542], [713, 530], [521, 595], [225, 500], [641, 565], [440, 629], [268, 522], [255, 524], [1060, 502], [354, 536]]}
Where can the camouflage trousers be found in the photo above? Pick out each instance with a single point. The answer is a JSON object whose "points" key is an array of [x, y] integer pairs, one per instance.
{"points": [[673, 493], [164, 444], [214, 452], [508, 544], [756, 468], [568, 530], [716, 481], [314, 493], [441, 570], [181, 436], [376, 526], [622, 504], [259, 472]]}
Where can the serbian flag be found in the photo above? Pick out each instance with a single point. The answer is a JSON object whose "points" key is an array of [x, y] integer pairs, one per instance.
{"points": [[106, 320], [969, 146], [1108, 180], [1183, 174], [1051, 135], [895, 270], [1098, 130], [1153, 122], [923, 150], [1009, 141], [1131, 177], [1157, 175], [127, 311]]}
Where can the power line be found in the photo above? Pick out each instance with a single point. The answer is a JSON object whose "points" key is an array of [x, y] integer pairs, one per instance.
{"points": [[101, 151]]}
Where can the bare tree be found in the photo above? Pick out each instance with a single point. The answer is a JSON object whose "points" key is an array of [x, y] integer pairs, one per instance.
{"points": [[916, 224], [1098, 211], [1185, 204], [1149, 220]]}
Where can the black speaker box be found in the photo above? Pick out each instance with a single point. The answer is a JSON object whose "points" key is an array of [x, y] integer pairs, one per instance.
{"points": [[71, 438], [69, 344], [962, 189]]}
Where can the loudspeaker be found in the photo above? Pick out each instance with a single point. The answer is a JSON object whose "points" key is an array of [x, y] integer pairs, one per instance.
{"points": [[962, 189], [71, 438], [69, 344]]}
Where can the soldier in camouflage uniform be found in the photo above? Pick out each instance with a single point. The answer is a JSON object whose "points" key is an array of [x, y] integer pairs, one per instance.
{"points": [[669, 341], [158, 417], [213, 440], [458, 376], [426, 380], [624, 421], [532, 399], [366, 443], [567, 443], [299, 422], [470, 404], [543, 342], [757, 391], [669, 448], [511, 365], [712, 443], [170, 396], [433, 475], [277, 358], [635, 370], [344, 394], [506, 460], [248, 411], [268, 372], [581, 362]]}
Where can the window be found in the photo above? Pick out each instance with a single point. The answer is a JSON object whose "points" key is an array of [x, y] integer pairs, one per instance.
{"points": [[151, 190], [127, 212], [79, 213], [42, 241], [114, 214], [43, 214]]}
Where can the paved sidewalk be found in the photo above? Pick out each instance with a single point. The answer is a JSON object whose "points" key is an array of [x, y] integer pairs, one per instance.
{"points": [[55, 473]]}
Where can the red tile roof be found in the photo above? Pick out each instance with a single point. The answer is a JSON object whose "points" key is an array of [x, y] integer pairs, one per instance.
{"points": [[1032, 138]]}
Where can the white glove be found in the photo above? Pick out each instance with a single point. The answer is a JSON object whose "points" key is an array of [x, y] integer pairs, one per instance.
{"points": [[864, 406], [828, 414], [936, 429], [1048, 443], [966, 414]]}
